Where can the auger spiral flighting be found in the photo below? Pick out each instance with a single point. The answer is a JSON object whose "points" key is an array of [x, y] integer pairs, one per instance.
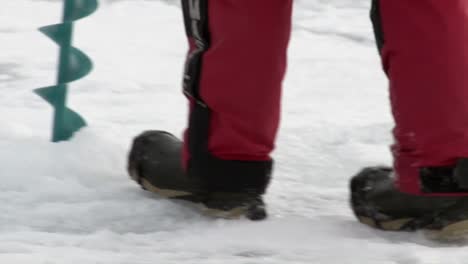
{"points": [[73, 65]]}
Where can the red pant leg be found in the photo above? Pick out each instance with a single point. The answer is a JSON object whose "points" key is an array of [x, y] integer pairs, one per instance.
{"points": [[233, 77], [425, 55]]}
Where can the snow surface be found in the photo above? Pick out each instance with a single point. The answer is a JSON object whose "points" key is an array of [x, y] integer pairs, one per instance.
{"points": [[73, 202]]}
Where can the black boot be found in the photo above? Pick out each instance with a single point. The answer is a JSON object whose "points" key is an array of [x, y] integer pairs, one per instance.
{"points": [[377, 203], [155, 163]]}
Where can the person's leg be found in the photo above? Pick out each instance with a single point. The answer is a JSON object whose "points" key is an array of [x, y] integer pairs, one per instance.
{"points": [[424, 54], [233, 79]]}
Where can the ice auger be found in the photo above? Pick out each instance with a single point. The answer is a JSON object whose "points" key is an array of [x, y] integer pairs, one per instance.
{"points": [[73, 65]]}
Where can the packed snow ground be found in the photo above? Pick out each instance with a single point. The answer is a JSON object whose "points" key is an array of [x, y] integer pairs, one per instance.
{"points": [[73, 202]]}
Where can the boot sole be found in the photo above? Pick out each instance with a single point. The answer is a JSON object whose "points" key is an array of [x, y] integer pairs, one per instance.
{"points": [[167, 193], [392, 225], [234, 213], [453, 232]]}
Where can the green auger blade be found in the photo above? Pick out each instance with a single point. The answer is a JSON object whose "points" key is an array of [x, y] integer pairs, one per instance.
{"points": [[78, 9], [48, 93], [79, 65], [72, 122], [57, 32], [67, 121]]}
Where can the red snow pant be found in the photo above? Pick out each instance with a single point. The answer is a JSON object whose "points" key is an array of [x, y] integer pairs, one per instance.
{"points": [[233, 77], [424, 48]]}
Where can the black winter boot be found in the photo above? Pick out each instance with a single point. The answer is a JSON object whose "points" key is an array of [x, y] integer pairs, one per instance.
{"points": [[155, 163], [376, 202]]}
